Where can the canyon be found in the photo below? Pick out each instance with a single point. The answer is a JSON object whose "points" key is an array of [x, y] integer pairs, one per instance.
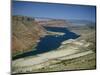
{"points": [[54, 45]]}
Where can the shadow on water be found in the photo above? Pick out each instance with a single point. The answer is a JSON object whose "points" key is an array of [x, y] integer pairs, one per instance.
{"points": [[50, 42]]}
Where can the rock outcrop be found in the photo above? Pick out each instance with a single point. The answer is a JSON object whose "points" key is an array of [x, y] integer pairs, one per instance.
{"points": [[25, 34]]}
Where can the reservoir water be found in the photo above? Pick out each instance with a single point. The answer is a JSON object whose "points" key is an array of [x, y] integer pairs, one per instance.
{"points": [[50, 42]]}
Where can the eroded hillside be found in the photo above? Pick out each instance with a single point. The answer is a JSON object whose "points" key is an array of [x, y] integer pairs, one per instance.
{"points": [[25, 34]]}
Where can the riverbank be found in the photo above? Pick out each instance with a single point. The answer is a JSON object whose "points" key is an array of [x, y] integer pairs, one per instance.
{"points": [[36, 63], [72, 54]]}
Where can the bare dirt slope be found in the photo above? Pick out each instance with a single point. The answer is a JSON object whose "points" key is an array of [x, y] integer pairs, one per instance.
{"points": [[25, 33]]}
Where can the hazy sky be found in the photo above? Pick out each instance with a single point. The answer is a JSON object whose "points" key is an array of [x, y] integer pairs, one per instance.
{"points": [[58, 11]]}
